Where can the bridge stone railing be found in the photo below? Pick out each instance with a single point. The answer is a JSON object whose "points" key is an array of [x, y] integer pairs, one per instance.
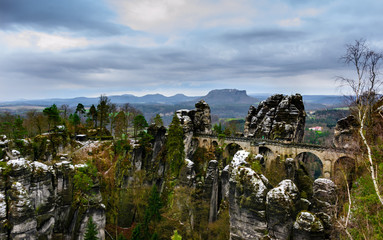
{"points": [[260, 142]]}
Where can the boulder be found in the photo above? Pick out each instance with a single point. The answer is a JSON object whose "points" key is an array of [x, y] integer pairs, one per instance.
{"points": [[281, 203], [308, 226], [279, 117]]}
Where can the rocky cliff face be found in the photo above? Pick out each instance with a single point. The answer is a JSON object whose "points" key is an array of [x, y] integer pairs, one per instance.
{"points": [[259, 210], [278, 117], [197, 120], [194, 121], [344, 133], [37, 202], [247, 200]]}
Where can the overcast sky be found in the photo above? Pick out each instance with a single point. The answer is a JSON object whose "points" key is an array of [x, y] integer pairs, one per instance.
{"points": [[71, 48]]}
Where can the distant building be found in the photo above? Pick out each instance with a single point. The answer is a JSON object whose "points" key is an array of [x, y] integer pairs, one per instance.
{"points": [[317, 128]]}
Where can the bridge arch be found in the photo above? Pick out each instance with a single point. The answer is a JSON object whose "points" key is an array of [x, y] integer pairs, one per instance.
{"points": [[312, 164], [265, 152], [231, 149], [205, 143]]}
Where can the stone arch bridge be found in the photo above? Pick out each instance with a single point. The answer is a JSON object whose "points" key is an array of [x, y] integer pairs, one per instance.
{"points": [[328, 156]]}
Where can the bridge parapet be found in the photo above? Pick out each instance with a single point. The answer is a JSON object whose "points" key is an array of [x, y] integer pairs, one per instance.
{"points": [[260, 142], [327, 155]]}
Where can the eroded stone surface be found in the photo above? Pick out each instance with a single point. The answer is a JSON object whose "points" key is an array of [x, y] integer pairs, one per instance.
{"points": [[259, 211], [279, 117], [40, 200], [194, 121], [308, 226], [324, 200], [281, 209], [344, 133], [247, 201]]}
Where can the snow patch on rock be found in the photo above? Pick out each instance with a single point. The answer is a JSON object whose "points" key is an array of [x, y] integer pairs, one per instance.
{"points": [[41, 166], [189, 163], [285, 190], [240, 158], [21, 162], [15, 153]]}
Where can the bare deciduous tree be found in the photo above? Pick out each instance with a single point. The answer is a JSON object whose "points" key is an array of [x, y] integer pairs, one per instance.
{"points": [[364, 88]]}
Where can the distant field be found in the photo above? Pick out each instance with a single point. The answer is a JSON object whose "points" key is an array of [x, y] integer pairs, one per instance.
{"points": [[342, 108], [21, 107], [231, 119]]}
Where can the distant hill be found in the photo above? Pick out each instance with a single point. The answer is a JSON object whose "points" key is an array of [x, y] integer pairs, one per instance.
{"points": [[119, 99], [225, 103]]}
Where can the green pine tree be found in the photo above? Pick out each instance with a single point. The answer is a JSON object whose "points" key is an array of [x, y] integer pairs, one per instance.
{"points": [[154, 205], [19, 130], [175, 145], [91, 231], [157, 120], [139, 123], [53, 115]]}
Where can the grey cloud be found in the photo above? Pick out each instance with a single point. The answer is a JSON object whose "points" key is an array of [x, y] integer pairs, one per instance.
{"points": [[262, 36], [86, 16], [157, 65]]}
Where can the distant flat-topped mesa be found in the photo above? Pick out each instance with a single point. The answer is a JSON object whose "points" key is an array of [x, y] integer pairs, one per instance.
{"points": [[228, 96], [278, 117]]}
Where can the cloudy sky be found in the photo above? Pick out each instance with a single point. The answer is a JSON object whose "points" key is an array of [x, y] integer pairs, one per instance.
{"points": [[56, 48]]}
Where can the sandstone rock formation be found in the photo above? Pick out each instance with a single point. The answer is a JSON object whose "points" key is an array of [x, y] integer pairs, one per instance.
{"points": [[281, 203], [247, 201], [279, 117], [258, 211], [194, 121], [36, 202], [324, 200], [344, 133], [197, 120], [211, 188], [290, 167], [308, 226], [148, 160], [187, 174]]}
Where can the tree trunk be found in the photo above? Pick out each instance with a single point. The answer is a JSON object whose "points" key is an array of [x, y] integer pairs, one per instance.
{"points": [[369, 154]]}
